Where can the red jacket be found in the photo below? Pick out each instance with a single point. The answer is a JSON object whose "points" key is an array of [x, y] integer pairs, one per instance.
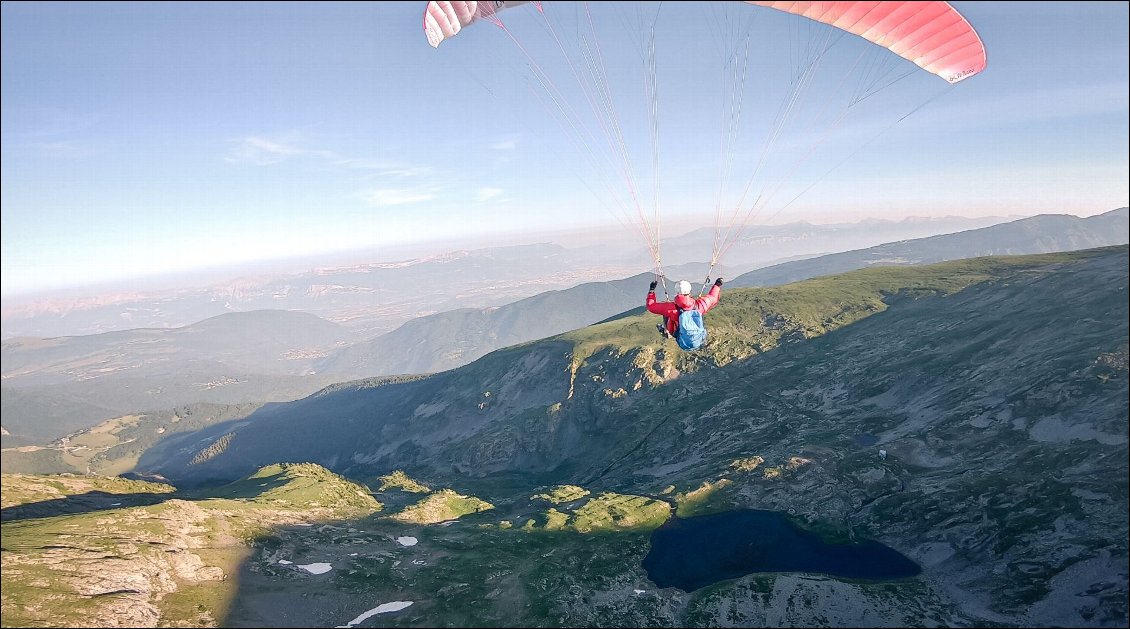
{"points": [[670, 309]]}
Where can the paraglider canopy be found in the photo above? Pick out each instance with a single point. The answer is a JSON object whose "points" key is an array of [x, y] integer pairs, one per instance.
{"points": [[799, 146], [931, 34], [445, 19]]}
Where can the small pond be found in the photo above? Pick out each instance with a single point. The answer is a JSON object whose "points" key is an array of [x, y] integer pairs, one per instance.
{"points": [[690, 553]]}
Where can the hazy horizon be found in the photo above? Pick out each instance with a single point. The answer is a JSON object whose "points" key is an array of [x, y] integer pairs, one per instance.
{"points": [[204, 277]]}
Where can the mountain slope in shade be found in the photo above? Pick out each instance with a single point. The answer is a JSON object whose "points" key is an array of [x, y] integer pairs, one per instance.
{"points": [[114, 446], [65, 384], [752, 326], [38, 418], [450, 339], [970, 414]]}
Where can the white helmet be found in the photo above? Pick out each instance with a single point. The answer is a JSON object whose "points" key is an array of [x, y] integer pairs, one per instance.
{"points": [[683, 287]]}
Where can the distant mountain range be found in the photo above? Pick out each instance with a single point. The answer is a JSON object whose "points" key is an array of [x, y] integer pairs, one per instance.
{"points": [[368, 298], [53, 387], [762, 245], [375, 298], [1040, 234], [450, 339]]}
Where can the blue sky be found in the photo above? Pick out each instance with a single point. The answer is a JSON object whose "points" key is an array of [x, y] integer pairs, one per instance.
{"points": [[145, 138]]}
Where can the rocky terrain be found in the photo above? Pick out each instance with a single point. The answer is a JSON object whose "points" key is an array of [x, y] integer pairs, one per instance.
{"points": [[971, 415]]}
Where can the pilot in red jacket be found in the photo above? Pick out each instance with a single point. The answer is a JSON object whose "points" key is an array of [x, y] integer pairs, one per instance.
{"points": [[684, 301]]}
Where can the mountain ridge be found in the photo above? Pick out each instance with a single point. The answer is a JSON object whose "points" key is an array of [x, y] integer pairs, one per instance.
{"points": [[427, 343], [366, 296], [501, 381], [475, 332]]}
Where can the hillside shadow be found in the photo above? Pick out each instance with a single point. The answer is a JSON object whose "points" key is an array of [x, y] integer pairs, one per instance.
{"points": [[94, 501], [243, 489], [319, 574], [623, 315], [81, 503], [377, 571]]}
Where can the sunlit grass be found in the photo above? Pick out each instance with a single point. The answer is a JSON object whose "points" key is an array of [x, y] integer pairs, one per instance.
{"points": [[441, 506]]}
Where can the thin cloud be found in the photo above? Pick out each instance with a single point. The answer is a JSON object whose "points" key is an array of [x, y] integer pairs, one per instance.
{"points": [[263, 151], [48, 133], [385, 169], [65, 150], [507, 144], [486, 194], [411, 171], [384, 197]]}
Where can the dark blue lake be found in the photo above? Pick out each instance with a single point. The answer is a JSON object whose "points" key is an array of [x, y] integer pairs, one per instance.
{"points": [[694, 552]]}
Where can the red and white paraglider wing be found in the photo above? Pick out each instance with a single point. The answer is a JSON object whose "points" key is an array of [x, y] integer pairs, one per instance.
{"points": [[933, 35], [445, 19]]}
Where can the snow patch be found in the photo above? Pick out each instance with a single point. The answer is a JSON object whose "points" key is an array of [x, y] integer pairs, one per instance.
{"points": [[384, 608]]}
